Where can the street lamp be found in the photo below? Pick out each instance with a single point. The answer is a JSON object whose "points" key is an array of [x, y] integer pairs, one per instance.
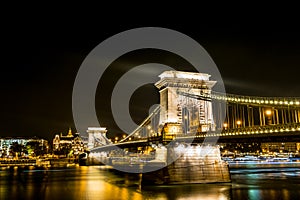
{"points": [[225, 125], [268, 114], [238, 122]]}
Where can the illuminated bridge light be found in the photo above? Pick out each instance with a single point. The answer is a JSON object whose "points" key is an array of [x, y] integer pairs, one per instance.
{"points": [[299, 129], [276, 130], [287, 129], [286, 102], [281, 130], [275, 102], [262, 101], [256, 132], [266, 101], [297, 102], [291, 103], [266, 131], [246, 100], [260, 131], [271, 131], [293, 129], [271, 102], [280, 102], [257, 101], [252, 132]]}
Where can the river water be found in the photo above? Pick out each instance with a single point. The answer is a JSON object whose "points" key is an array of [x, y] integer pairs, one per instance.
{"points": [[100, 182]]}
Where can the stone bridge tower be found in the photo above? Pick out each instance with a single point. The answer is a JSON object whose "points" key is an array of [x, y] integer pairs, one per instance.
{"points": [[177, 105], [97, 137]]}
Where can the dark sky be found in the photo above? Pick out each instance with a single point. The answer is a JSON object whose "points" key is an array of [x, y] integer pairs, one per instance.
{"points": [[40, 59]]}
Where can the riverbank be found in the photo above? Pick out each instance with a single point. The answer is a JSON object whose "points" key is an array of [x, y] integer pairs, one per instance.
{"points": [[44, 162], [261, 164]]}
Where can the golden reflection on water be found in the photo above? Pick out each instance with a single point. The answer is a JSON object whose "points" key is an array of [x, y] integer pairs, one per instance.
{"points": [[91, 186], [101, 183]]}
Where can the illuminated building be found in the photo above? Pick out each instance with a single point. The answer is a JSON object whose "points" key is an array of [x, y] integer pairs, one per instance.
{"points": [[6, 146], [280, 147], [70, 143]]}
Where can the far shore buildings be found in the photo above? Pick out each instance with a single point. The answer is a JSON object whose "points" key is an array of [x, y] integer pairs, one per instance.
{"points": [[68, 144], [8, 144]]}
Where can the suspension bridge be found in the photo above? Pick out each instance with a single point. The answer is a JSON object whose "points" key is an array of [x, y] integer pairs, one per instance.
{"points": [[190, 112]]}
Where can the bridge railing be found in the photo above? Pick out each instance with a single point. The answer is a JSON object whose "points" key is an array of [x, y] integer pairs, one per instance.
{"points": [[241, 99], [253, 130], [267, 129], [283, 101]]}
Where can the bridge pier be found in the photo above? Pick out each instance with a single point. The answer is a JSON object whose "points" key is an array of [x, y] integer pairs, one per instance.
{"points": [[193, 164]]}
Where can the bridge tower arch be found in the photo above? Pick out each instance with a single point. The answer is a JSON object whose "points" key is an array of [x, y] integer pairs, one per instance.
{"points": [[177, 107], [97, 137]]}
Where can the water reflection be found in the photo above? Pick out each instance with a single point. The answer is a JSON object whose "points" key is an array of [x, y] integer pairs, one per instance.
{"points": [[103, 183], [195, 191]]}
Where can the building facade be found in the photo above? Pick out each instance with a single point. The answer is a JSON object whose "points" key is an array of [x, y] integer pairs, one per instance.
{"points": [[23, 147], [70, 144]]}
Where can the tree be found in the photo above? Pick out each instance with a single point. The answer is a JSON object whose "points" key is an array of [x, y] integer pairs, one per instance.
{"points": [[34, 148], [17, 149]]}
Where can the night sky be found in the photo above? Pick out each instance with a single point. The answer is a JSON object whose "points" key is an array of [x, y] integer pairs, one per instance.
{"points": [[40, 59]]}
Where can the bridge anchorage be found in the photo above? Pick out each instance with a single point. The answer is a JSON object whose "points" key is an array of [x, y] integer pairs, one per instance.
{"points": [[177, 141]]}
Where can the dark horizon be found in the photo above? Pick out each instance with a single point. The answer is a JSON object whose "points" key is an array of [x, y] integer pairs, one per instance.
{"points": [[40, 66]]}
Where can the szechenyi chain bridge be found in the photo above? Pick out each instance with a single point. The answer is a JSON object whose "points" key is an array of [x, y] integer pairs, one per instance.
{"points": [[178, 140]]}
